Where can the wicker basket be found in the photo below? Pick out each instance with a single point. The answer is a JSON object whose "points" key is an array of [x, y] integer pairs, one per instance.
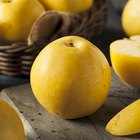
{"points": [[16, 59]]}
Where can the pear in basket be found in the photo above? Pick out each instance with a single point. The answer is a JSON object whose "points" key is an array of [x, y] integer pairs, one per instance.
{"points": [[17, 18], [73, 6]]}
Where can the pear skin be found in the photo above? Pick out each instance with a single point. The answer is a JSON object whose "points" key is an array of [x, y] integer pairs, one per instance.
{"points": [[11, 127], [131, 17], [73, 6], [71, 77], [17, 18]]}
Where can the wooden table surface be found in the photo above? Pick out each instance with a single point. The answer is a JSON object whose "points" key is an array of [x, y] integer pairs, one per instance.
{"points": [[42, 125]]}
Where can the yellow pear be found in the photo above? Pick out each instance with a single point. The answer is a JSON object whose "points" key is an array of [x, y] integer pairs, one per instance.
{"points": [[17, 18], [73, 6], [125, 58], [127, 121], [131, 17], [11, 127], [71, 77]]}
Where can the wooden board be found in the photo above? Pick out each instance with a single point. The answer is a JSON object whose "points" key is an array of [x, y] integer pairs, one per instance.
{"points": [[41, 125]]}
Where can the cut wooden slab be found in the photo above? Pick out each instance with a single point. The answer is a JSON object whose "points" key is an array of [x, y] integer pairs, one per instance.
{"points": [[42, 125]]}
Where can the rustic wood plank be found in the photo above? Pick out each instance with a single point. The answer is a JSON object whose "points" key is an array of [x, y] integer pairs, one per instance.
{"points": [[51, 127]]}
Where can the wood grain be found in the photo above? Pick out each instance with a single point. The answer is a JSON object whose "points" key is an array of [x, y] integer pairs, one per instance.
{"points": [[50, 127]]}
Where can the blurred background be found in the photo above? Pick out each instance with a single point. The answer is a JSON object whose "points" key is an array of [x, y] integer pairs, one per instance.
{"points": [[113, 30]]}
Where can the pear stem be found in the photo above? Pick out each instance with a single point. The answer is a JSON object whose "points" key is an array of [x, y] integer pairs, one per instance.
{"points": [[70, 44]]}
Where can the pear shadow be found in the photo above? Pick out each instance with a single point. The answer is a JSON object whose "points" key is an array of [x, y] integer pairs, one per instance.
{"points": [[134, 136]]}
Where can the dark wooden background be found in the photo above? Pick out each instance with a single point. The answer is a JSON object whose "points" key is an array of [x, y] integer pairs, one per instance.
{"points": [[113, 30]]}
